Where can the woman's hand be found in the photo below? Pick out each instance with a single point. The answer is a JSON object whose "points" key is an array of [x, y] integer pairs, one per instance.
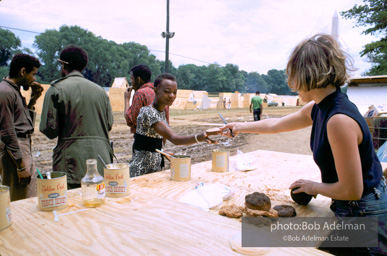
{"points": [[230, 130], [306, 186]]}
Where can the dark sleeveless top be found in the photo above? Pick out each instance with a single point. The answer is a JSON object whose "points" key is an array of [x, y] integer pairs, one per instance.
{"points": [[338, 103]]}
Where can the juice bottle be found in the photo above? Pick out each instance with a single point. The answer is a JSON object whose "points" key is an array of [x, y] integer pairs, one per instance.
{"points": [[93, 185]]}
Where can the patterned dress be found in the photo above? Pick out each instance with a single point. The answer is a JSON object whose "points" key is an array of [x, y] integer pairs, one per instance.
{"points": [[144, 162]]}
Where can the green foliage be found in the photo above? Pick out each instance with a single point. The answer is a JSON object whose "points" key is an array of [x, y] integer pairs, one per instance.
{"points": [[3, 72], [235, 79], [277, 82], [108, 60], [9, 44], [373, 15], [48, 45], [25, 50], [255, 82]]}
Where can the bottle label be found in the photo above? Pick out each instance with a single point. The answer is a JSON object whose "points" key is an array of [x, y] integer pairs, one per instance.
{"points": [[101, 190]]}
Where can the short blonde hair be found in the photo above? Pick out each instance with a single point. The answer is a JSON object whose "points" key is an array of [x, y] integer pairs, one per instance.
{"points": [[316, 63]]}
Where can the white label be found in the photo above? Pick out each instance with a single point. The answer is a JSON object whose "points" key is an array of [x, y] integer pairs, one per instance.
{"points": [[101, 190], [101, 193], [220, 161], [52, 202], [184, 170]]}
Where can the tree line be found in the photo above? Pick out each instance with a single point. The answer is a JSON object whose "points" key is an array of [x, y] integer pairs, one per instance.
{"points": [[108, 60]]}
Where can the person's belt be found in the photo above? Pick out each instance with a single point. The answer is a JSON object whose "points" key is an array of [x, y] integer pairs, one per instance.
{"points": [[142, 142], [25, 136], [374, 190]]}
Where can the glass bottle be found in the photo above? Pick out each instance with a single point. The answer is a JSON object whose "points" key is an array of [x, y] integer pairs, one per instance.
{"points": [[93, 185]]}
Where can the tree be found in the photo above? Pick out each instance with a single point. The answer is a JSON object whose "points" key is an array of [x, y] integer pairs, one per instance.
{"points": [[235, 79], [9, 44], [107, 59], [49, 46], [186, 76], [216, 80], [4, 71], [373, 14], [277, 82], [255, 82]]}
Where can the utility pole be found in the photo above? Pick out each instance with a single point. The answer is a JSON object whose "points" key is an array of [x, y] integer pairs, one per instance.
{"points": [[167, 35]]}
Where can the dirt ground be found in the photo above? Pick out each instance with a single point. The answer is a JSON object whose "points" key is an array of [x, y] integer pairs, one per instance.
{"points": [[187, 122]]}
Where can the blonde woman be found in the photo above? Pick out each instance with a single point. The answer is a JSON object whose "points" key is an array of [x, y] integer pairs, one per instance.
{"points": [[340, 140]]}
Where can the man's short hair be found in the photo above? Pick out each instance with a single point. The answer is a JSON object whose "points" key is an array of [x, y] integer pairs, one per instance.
{"points": [[75, 56], [257, 92], [20, 61], [162, 77], [142, 71]]}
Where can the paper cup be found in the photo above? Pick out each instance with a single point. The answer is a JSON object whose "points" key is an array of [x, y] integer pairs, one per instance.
{"points": [[220, 160], [180, 168], [5, 207], [117, 180], [52, 193]]}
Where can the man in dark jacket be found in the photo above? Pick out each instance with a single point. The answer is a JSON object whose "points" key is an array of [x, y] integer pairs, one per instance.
{"points": [[78, 112], [17, 125]]}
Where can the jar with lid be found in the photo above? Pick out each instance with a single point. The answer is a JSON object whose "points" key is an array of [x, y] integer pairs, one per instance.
{"points": [[93, 185]]}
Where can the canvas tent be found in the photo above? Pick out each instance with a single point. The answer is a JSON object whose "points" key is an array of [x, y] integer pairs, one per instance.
{"points": [[189, 99], [120, 82]]}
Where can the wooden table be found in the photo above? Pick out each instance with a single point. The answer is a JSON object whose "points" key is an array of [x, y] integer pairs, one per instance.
{"points": [[151, 221], [274, 173]]}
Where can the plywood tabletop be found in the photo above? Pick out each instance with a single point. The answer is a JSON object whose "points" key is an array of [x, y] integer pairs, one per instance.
{"points": [[139, 224], [151, 221], [274, 173]]}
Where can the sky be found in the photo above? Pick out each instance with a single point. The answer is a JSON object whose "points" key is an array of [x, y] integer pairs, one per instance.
{"points": [[255, 35]]}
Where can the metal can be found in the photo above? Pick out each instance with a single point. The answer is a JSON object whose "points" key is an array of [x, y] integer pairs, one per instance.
{"points": [[117, 180], [220, 160], [52, 193], [5, 207]]}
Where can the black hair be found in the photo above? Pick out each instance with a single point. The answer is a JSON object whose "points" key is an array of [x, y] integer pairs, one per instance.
{"points": [[142, 71], [257, 92], [20, 61], [163, 76], [75, 56]]}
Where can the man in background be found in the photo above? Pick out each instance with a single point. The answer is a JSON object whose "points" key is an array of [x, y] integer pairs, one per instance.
{"points": [[17, 125], [256, 106], [140, 82], [78, 112]]}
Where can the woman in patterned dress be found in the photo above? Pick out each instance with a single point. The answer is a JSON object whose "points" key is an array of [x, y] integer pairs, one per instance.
{"points": [[153, 130]]}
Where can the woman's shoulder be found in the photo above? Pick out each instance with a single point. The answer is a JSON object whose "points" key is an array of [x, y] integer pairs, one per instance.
{"points": [[147, 110], [150, 112]]}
